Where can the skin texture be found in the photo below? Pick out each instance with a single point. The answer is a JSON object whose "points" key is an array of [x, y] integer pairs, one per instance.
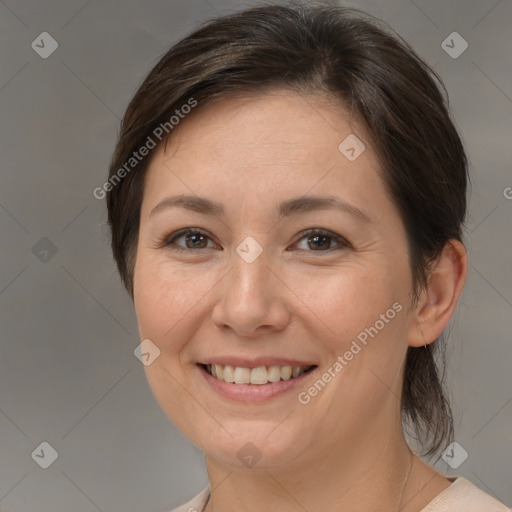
{"points": [[345, 449]]}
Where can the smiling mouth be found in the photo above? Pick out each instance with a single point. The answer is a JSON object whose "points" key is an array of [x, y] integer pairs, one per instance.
{"points": [[258, 376]]}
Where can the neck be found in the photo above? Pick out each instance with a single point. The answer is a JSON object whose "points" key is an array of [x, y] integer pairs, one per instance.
{"points": [[356, 476]]}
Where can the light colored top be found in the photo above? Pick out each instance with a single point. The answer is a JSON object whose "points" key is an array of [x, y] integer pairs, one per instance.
{"points": [[460, 496]]}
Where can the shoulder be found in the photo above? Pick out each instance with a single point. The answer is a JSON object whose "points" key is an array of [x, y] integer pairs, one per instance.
{"points": [[195, 504], [460, 496], [463, 496]]}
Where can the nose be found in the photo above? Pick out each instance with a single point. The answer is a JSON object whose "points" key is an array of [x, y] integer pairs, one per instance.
{"points": [[252, 299]]}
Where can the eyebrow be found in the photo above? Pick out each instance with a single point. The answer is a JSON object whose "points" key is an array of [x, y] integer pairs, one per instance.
{"points": [[286, 208]]}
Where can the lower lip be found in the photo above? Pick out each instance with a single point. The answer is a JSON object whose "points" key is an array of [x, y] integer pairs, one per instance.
{"points": [[253, 392]]}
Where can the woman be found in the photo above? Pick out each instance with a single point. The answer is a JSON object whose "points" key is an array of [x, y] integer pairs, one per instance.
{"points": [[286, 201]]}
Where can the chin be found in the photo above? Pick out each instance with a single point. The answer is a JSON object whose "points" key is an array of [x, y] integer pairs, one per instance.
{"points": [[250, 448]]}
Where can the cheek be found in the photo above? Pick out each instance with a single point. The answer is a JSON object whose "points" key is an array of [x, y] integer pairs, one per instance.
{"points": [[359, 323], [345, 302], [162, 297]]}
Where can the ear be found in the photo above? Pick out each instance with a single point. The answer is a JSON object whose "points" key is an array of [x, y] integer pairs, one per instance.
{"points": [[438, 301]]}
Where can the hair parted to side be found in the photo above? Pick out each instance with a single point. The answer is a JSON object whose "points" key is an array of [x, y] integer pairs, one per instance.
{"points": [[397, 98]]}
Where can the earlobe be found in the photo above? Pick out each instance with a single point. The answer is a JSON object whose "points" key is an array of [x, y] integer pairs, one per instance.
{"points": [[439, 300]]}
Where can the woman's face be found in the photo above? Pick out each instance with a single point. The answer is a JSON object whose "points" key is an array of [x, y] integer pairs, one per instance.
{"points": [[248, 288]]}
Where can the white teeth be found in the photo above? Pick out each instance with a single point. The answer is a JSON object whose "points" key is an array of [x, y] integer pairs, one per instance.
{"points": [[242, 375], [229, 374], [274, 374], [286, 372], [258, 376]]}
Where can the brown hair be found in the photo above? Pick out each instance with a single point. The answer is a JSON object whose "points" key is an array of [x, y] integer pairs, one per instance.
{"points": [[398, 98]]}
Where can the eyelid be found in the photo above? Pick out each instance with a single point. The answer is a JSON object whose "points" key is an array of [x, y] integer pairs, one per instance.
{"points": [[168, 240], [340, 240]]}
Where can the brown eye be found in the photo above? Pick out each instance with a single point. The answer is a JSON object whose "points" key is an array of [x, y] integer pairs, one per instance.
{"points": [[193, 239], [196, 240], [318, 240]]}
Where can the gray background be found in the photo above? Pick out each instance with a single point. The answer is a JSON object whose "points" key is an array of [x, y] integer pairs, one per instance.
{"points": [[68, 375]]}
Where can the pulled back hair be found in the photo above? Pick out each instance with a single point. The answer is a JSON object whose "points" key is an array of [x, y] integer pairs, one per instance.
{"points": [[377, 76]]}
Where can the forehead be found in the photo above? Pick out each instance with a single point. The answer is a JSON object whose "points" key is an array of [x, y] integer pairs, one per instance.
{"points": [[268, 128], [264, 149]]}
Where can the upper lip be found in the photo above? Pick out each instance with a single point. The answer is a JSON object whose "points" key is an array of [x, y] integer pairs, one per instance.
{"points": [[254, 362]]}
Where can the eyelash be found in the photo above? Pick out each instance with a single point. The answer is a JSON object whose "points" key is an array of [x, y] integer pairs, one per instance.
{"points": [[169, 241]]}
